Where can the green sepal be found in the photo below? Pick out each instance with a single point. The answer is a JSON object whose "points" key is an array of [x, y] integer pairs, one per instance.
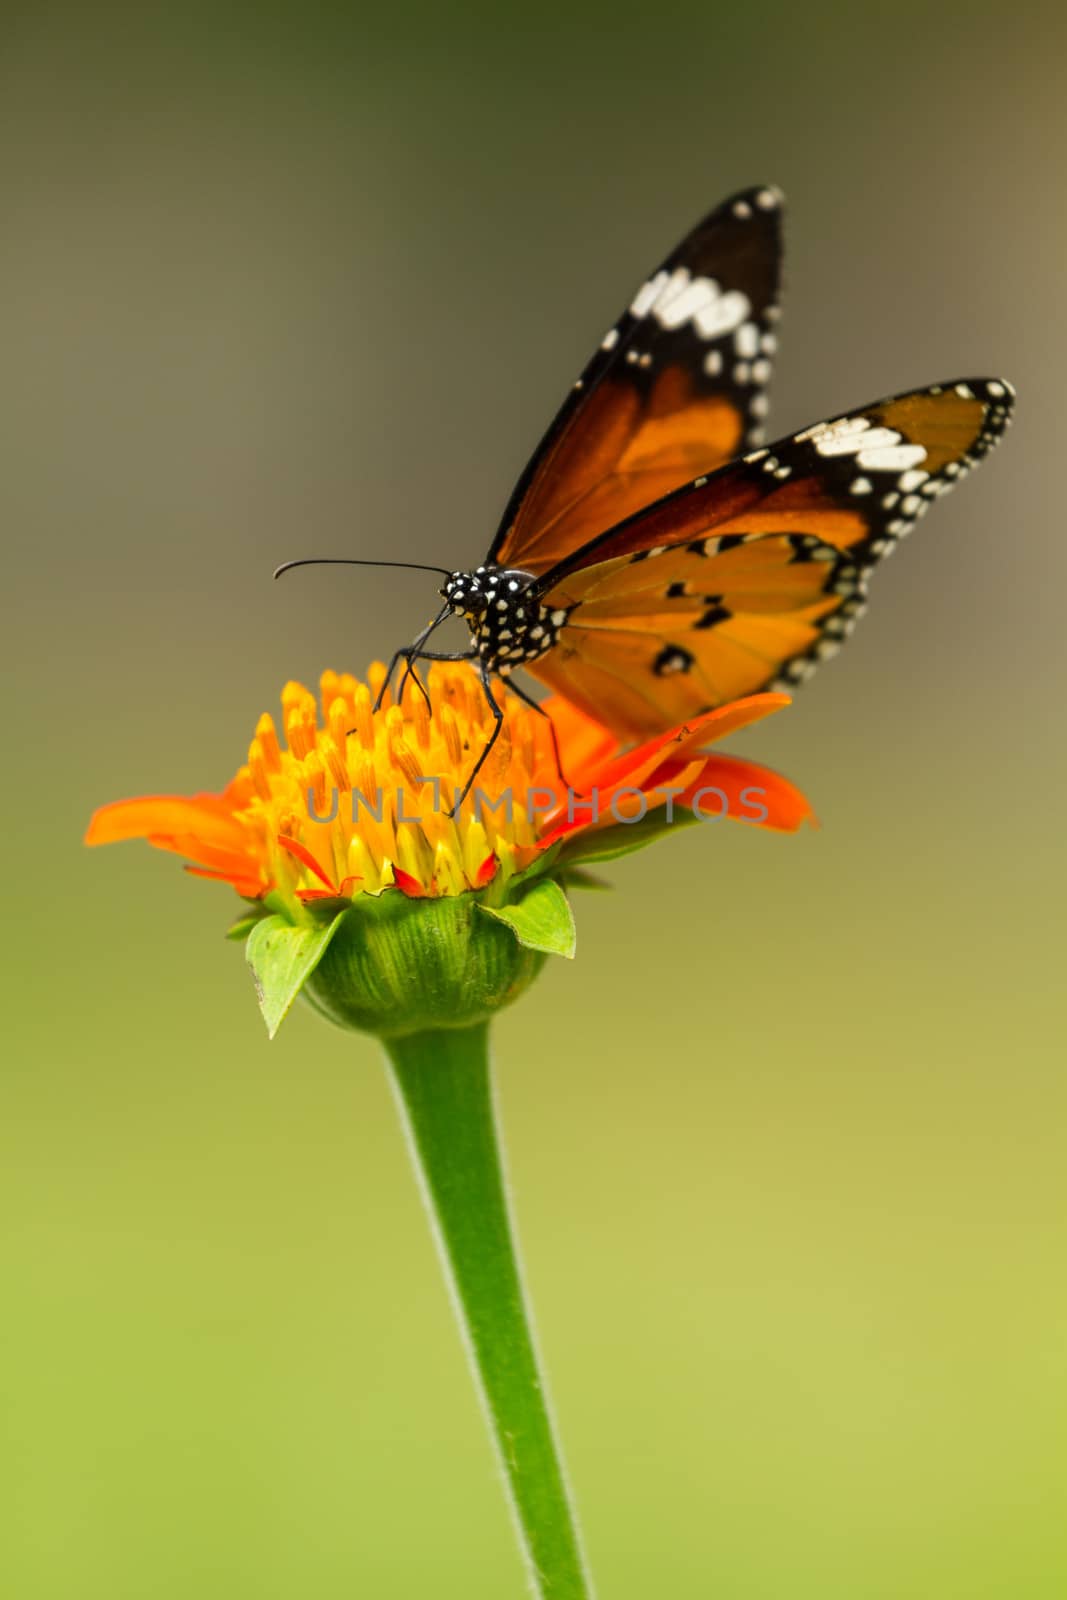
{"points": [[541, 920], [578, 878], [283, 955], [543, 862], [622, 839]]}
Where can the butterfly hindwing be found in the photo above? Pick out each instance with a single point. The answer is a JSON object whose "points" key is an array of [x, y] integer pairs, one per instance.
{"points": [[677, 387], [748, 577], [656, 639]]}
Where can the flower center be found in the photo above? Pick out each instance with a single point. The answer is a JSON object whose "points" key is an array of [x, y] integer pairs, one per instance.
{"points": [[356, 800]]}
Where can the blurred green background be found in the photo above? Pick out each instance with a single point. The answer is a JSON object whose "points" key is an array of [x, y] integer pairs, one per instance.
{"points": [[788, 1138]]}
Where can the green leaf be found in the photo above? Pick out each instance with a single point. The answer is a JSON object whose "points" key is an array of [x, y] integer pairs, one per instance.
{"points": [[283, 955], [246, 922], [622, 839], [578, 878], [541, 920]]}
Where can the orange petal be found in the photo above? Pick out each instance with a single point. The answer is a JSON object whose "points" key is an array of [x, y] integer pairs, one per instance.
{"points": [[410, 886], [750, 789], [697, 732], [345, 891], [240, 863], [747, 792], [205, 816], [248, 887], [486, 872], [303, 854], [584, 741], [569, 718]]}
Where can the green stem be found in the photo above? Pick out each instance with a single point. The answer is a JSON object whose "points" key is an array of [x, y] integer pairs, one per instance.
{"points": [[444, 1089]]}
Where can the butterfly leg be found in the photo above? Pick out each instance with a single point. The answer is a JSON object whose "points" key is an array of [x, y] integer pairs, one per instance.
{"points": [[536, 705], [403, 654], [410, 653], [414, 652], [498, 723], [487, 688], [409, 672]]}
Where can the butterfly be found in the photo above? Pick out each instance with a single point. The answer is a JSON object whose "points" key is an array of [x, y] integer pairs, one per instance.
{"points": [[656, 559]]}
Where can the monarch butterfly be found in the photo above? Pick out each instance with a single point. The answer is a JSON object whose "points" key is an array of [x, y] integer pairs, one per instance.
{"points": [[655, 559]]}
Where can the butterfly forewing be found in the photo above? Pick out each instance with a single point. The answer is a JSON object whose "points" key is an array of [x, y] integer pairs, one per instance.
{"points": [[677, 387], [747, 577]]}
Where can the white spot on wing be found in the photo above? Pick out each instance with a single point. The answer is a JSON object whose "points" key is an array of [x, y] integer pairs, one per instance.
{"points": [[891, 458], [677, 298], [723, 314], [849, 444], [822, 431], [682, 299], [647, 295]]}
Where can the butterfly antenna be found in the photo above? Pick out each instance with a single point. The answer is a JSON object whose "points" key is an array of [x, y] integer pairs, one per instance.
{"points": [[350, 561]]}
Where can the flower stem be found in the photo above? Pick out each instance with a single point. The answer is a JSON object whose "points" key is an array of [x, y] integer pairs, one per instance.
{"points": [[444, 1089]]}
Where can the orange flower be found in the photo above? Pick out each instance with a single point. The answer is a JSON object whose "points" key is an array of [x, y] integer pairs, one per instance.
{"points": [[355, 801]]}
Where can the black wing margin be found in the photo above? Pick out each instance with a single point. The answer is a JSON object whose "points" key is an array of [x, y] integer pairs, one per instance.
{"points": [[708, 314]]}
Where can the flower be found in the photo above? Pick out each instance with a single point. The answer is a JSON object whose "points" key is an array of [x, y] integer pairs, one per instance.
{"points": [[357, 801], [394, 902]]}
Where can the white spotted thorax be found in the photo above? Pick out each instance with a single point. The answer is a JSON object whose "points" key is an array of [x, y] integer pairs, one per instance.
{"points": [[507, 628]]}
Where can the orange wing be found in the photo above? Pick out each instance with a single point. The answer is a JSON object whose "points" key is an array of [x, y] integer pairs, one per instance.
{"points": [[747, 578], [677, 387]]}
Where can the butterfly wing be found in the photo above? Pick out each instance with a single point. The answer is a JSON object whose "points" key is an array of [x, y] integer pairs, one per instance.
{"points": [[748, 577], [677, 387]]}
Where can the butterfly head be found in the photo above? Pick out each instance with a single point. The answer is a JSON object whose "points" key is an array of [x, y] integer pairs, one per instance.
{"points": [[467, 593], [472, 594]]}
